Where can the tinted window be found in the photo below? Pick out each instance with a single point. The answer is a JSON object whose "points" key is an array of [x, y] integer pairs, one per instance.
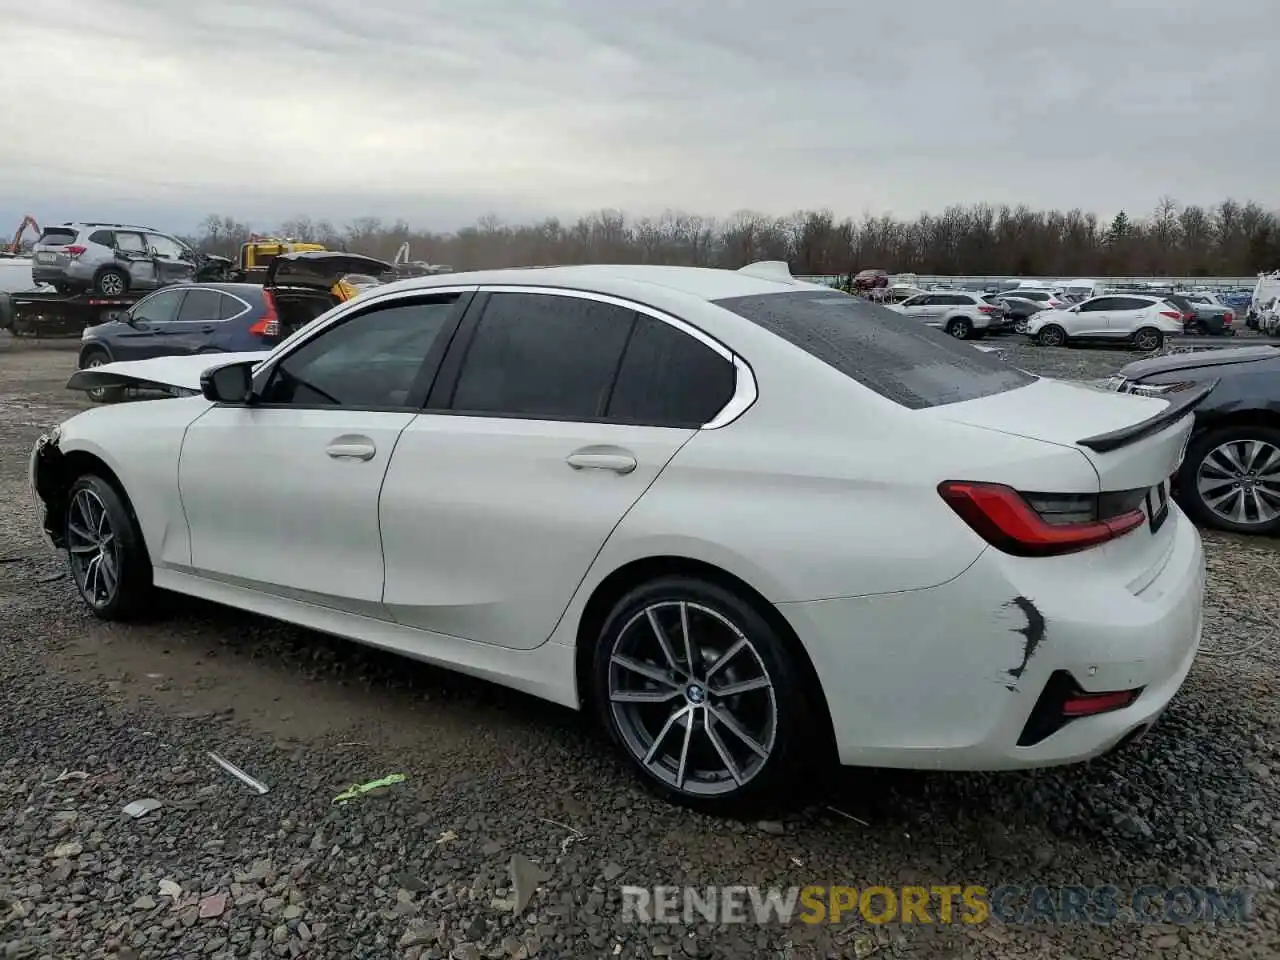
{"points": [[916, 301], [201, 305], [1033, 294], [1102, 303], [668, 378], [231, 307], [953, 300], [57, 236], [131, 242], [370, 360], [158, 308], [538, 355], [1128, 303], [913, 365], [102, 237]]}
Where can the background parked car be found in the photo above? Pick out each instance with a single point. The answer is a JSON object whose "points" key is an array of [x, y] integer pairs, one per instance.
{"points": [[225, 317], [1049, 299], [962, 315], [1205, 314], [1144, 321], [113, 258], [1230, 476], [1017, 310]]}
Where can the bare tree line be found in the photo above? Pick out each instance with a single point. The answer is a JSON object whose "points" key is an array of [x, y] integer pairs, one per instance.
{"points": [[1228, 239]]}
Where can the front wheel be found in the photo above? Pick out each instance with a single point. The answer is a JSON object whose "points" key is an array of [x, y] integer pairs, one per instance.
{"points": [[108, 556], [1230, 479], [1148, 339], [1052, 336], [703, 695]]}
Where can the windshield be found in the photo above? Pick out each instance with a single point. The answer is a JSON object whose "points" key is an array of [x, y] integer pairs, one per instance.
{"points": [[899, 358]]}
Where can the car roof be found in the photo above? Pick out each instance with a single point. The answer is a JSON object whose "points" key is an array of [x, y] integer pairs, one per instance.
{"points": [[628, 280]]}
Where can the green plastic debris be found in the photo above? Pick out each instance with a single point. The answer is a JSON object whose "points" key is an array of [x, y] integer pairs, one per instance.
{"points": [[356, 790]]}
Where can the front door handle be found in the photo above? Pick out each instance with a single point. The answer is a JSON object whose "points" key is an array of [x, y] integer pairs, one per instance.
{"points": [[351, 447], [621, 462]]}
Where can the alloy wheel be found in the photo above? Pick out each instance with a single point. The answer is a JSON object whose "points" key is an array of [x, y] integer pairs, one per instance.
{"points": [[692, 698], [94, 549], [1146, 340], [1051, 336], [111, 285], [1239, 481]]}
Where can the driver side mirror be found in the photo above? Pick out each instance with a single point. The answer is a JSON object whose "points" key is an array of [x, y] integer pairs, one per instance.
{"points": [[232, 383]]}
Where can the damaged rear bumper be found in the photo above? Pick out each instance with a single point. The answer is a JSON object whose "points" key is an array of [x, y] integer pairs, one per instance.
{"points": [[948, 678]]}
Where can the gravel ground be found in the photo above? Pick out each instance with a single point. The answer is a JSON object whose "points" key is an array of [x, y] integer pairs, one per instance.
{"points": [[97, 716]]}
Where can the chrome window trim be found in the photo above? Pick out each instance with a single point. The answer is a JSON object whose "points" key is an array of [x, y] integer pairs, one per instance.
{"points": [[745, 390], [222, 293]]}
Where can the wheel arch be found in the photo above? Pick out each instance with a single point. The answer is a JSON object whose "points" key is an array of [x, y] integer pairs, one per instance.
{"points": [[88, 348], [55, 473], [636, 572], [123, 271]]}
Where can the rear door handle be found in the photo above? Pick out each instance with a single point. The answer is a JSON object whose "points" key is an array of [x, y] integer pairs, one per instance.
{"points": [[620, 463], [207, 328], [351, 448]]}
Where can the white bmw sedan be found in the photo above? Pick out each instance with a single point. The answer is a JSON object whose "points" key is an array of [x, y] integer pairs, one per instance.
{"points": [[753, 523]]}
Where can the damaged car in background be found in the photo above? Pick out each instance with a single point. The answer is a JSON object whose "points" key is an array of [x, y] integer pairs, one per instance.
{"points": [[753, 524]]}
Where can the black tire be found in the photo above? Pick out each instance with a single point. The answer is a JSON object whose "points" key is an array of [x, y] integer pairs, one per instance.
{"points": [[111, 282], [1148, 339], [960, 328], [126, 552], [1200, 448], [794, 723], [1052, 335], [96, 357]]}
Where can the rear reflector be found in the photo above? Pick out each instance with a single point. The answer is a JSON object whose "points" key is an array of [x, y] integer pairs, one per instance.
{"points": [[1087, 704], [1040, 524]]}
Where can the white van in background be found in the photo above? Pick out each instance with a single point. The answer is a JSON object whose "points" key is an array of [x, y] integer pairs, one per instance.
{"points": [[1083, 289]]}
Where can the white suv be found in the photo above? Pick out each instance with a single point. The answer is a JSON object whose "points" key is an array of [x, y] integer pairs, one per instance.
{"points": [[962, 315], [1143, 321]]}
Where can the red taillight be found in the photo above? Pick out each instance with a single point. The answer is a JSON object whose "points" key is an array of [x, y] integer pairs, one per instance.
{"points": [[75, 250], [1228, 319], [1174, 314], [269, 324], [1188, 317], [988, 309], [1003, 517], [1088, 704]]}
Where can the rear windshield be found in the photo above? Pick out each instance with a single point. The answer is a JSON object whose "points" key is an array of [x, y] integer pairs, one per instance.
{"points": [[57, 238], [894, 355]]}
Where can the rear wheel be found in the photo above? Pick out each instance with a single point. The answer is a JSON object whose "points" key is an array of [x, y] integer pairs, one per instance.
{"points": [[1230, 479], [704, 697], [960, 328], [111, 282], [1052, 336], [96, 358], [108, 557], [1148, 339]]}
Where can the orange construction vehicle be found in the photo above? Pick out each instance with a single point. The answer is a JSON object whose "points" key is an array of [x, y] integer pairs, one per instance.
{"points": [[15, 247]]}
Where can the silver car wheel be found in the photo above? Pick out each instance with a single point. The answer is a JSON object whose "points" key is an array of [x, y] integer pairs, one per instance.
{"points": [[93, 549], [1239, 481], [692, 699], [111, 285]]}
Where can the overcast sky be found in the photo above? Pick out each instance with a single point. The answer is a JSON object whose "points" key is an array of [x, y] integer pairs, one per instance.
{"points": [[440, 112]]}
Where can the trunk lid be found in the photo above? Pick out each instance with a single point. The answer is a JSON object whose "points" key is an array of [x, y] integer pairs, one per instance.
{"points": [[1132, 442], [1194, 361], [50, 250], [319, 269]]}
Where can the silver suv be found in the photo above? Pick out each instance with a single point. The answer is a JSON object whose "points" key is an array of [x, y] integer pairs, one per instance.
{"points": [[110, 258]]}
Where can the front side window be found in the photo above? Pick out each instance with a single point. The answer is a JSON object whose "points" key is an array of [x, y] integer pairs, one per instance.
{"points": [[538, 355], [158, 308], [371, 360]]}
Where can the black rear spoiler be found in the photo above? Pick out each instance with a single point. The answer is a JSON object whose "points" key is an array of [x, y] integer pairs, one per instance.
{"points": [[1182, 403]]}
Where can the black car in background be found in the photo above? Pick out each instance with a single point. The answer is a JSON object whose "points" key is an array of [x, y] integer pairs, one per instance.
{"points": [[1230, 476]]}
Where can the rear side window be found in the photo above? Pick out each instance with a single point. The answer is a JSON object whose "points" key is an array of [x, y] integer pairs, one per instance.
{"points": [[231, 307], [1130, 303], [669, 379], [201, 305], [104, 238], [915, 366], [539, 355], [131, 243], [57, 236]]}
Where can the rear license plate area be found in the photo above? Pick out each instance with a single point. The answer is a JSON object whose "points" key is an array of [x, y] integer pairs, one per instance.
{"points": [[1157, 503], [46, 258]]}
